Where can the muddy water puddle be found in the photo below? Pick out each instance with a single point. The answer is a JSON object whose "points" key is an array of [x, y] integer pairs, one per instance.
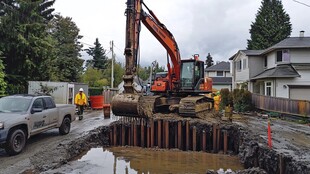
{"points": [[138, 160]]}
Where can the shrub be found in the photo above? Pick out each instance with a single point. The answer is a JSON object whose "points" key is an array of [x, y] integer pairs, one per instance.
{"points": [[95, 91], [226, 98], [242, 100]]}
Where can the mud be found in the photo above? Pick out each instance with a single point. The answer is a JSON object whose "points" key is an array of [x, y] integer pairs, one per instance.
{"points": [[289, 154]]}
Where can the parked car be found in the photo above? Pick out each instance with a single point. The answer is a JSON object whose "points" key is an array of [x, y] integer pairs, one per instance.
{"points": [[22, 116]]}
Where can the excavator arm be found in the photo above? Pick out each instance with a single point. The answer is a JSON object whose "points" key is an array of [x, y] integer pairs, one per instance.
{"points": [[133, 25], [175, 87], [165, 37], [135, 15]]}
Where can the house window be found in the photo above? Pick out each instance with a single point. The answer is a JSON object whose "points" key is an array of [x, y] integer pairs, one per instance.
{"points": [[220, 73], [238, 65], [268, 88], [244, 64], [265, 62], [283, 56]]}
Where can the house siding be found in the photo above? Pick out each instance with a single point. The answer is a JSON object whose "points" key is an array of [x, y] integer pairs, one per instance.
{"points": [[257, 65], [271, 60], [282, 89], [300, 56], [228, 74]]}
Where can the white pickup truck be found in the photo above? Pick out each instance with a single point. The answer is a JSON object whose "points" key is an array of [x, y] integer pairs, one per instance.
{"points": [[22, 116]]}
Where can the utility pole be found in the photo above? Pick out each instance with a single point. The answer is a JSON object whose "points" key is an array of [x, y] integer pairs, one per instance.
{"points": [[112, 73]]}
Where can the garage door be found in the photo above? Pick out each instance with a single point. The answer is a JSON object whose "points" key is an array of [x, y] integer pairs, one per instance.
{"points": [[300, 93]]}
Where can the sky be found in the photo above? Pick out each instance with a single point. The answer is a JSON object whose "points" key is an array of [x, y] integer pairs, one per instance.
{"points": [[218, 27]]}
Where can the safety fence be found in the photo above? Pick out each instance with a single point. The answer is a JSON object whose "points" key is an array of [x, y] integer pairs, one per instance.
{"points": [[282, 105]]}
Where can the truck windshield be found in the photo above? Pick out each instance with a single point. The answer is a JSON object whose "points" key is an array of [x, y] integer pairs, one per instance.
{"points": [[10, 104]]}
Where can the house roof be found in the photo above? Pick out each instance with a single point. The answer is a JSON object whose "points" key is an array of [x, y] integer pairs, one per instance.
{"points": [[280, 71], [222, 66], [291, 42], [248, 53], [222, 80]]}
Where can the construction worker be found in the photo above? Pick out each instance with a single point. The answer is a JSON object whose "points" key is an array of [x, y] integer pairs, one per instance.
{"points": [[217, 100], [80, 101]]}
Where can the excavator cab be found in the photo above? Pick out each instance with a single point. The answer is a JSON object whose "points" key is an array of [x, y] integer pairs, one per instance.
{"points": [[192, 74]]}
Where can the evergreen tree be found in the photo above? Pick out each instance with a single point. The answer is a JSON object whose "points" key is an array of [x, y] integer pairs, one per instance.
{"points": [[3, 83], [99, 59], [25, 41], [68, 64], [272, 24], [209, 60]]}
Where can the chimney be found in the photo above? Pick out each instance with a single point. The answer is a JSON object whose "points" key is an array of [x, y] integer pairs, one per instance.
{"points": [[302, 33]]}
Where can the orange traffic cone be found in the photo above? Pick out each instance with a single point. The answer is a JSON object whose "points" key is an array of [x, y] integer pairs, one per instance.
{"points": [[269, 135]]}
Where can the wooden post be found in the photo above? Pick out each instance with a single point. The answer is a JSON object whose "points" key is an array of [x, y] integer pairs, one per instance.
{"points": [[123, 135], [111, 137], [204, 142], [167, 134], [142, 132], [214, 138], [187, 135], [180, 135], [159, 133], [114, 135], [194, 139], [135, 134], [176, 136], [152, 133], [148, 137], [129, 135], [218, 138], [225, 141]]}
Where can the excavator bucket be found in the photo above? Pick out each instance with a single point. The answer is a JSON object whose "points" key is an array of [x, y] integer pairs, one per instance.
{"points": [[125, 104]]}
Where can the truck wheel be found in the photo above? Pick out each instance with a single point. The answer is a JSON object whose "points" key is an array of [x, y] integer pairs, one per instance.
{"points": [[65, 126], [16, 142]]}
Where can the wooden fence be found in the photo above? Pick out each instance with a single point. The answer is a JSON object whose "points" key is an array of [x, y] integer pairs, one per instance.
{"points": [[108, 95], [282, 105]]}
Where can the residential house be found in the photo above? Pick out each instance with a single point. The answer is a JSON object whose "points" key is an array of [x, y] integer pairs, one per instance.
{"points": [[220, 74], [282, 70]]}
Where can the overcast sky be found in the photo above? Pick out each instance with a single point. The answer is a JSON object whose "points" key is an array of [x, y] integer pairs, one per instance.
{"points": [[219, 27]]}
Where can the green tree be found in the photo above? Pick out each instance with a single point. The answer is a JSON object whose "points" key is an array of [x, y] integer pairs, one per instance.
{"points": [[99, 59], [91, 75], [25, 41], [209, 60], [68, 64], [118, 73], [144, 72], [272, 24], [3, 83]]}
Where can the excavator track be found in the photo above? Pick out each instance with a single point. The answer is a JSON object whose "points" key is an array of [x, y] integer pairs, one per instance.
{"points": [[191, 106]]}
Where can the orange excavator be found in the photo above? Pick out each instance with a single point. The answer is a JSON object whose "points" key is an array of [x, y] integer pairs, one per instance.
{"points": [[181, 90]]}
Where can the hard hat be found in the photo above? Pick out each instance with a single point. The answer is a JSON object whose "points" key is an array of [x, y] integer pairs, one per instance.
{"points": [[81, 90]]}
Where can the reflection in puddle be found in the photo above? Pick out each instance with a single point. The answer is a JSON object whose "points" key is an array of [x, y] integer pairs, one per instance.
{"points": [[138, 160]]}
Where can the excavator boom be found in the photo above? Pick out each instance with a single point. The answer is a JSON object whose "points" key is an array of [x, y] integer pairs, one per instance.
{"points": [[184, 77]]}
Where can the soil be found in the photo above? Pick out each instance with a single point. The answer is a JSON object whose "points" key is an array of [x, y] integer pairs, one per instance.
{"points": [[290, 144]]}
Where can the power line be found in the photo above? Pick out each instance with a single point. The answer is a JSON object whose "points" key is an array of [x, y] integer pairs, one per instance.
{"points": [[302, 3], [86, 43]]}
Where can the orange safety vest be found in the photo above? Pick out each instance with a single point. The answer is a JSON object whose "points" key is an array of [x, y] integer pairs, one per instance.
{"points": [[80, 99]]}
